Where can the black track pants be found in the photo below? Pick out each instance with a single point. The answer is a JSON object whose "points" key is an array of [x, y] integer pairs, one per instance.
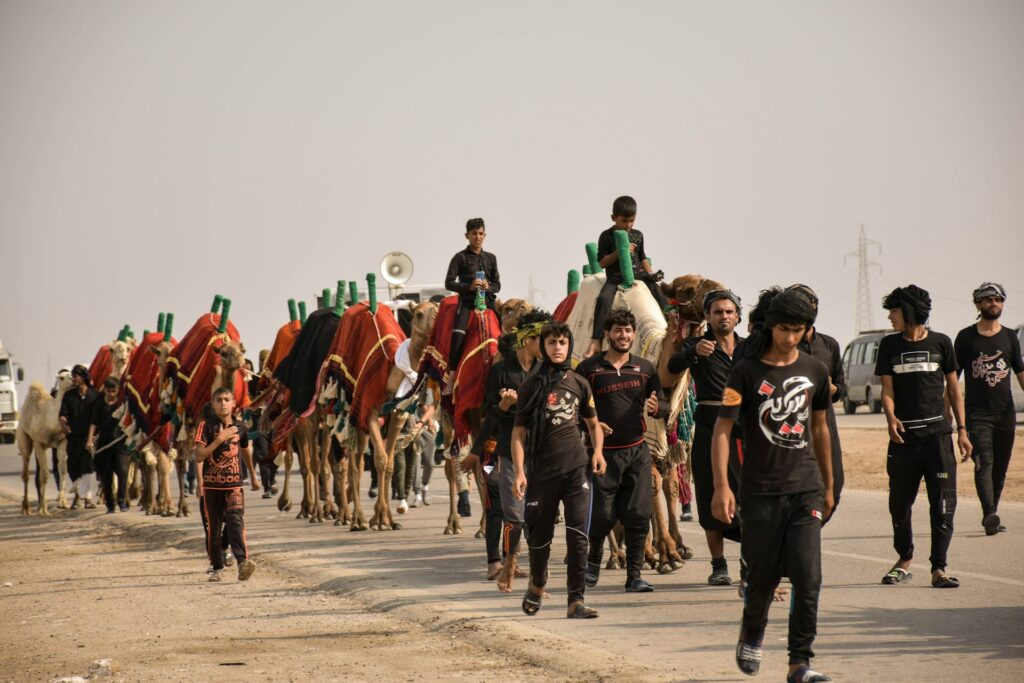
{"points": [[783, 531], [572, 489], [225, 507], [511, 507], [933, 459], [493, 518], [623, 494], [113, 461], [992, 438]]}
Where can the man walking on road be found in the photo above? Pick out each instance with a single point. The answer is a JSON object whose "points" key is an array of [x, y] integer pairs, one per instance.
{"points": [[782, 395], [988, 354], [627, 392], [918, 371]]}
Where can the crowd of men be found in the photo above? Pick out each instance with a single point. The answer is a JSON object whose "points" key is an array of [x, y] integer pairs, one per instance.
{"points": [[766, 457]]}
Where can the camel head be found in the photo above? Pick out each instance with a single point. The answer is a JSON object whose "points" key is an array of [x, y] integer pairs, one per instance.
{"points": [[120, 352], [423, 315], [686, 293], [64, 382], [232, 357], [510, 311]]}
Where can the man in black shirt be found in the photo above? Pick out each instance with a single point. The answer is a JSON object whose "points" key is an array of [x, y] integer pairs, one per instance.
{"points": [[623, 217], [75, 415], [782, 395], [826, 350], [106, 442], [464, 279], [627, 391], [221, 443], [710, 359], [918, 369], [547, 451], [988, 354], [505, 513]]}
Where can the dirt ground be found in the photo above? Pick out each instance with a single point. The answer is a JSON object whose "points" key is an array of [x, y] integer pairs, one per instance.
{"points": [[864, 452], [66, 591]]}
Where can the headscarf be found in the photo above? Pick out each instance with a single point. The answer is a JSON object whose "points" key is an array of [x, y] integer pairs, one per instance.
{"points": [[527, 332], [811, 297], [82, 373], [776, 306], [915, 303], [987, 289], [719, 294], [548, 375]]}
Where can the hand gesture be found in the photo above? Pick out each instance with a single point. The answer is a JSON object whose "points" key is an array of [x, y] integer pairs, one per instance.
{"points": [[598, 463], [705, 347], [723, 505], [519, 487], [632, 248], [651, 404], [508, 398], [227, 433], [963, 442], [605, 428], [896, 430]]}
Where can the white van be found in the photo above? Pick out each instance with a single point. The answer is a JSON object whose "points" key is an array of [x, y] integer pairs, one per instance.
{"points": [[863, 386]]}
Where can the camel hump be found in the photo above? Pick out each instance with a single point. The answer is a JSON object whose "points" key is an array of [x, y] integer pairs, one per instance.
{"points": [[37, 393]]}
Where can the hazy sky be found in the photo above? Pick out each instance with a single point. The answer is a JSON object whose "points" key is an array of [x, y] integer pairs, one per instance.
{"points": [[154, 153]]}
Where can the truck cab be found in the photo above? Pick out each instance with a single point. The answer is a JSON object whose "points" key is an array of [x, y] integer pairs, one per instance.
{"points": [[9, 374]]}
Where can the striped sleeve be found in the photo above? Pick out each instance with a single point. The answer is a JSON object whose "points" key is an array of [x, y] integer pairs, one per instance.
{"points": [[201, 434]]}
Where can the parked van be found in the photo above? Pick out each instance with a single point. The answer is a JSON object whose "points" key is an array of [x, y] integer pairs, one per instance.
{"points": [[863, 386]]}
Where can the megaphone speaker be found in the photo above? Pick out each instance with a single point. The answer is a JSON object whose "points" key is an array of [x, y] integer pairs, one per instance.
{"points": [[396, 268]]}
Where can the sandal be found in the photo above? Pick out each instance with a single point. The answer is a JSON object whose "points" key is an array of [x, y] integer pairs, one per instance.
{"points": [[531, 602], [580, 611], [943, 581], [896, 575]]}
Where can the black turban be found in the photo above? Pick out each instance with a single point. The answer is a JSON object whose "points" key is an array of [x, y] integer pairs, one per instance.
{"points": [[720, 294], [915, 303], [82, 373], [790, 307]]}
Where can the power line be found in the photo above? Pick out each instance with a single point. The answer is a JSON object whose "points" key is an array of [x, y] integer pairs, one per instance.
{"points": [[864, 318]]}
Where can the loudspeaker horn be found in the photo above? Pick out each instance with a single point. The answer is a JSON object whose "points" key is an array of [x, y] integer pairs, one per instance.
{"points": [[396, 268]]}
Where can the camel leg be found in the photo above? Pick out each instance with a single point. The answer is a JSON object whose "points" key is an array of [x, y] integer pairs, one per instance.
{"points": [[385, 466], [150, 483], [327, 475], [302, 455], [316, 459], [180, 466], [668, 556], [616, 556], [133, 482], [44, 477], [454, 524], [62, 473], [340, 468], [164, 464], [355, 473], [481, 487], [284, 501], [671, 490], [26, 450]]}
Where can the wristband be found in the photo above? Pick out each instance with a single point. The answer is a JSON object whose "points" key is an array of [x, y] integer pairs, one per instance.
{"points": [[958, 428]]}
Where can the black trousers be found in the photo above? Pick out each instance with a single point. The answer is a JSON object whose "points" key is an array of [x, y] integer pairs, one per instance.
{"points": [[110, 462], [779, 532], [260, 454], [493, 517], [607, 297], [704, 479], [224, 508], [572, 489], [933, 459], [992, 438], [79, 457], [623, 494]]}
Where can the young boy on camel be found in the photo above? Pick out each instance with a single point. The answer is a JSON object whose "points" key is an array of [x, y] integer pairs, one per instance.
{"points": [[623, 217], [470, 271], [551, 465]]}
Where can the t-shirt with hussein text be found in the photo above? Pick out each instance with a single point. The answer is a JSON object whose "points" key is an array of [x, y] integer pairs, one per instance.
{"points": [[775, 403]]}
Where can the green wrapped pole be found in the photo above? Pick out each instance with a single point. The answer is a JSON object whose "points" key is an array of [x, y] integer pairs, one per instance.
{"points": [[325, 297], [595, 264], [160, 321], [168, 326], [339, 299], [573, 284], [225, 311], [145, 333], [586, 270], [217, 299], [293, 312], [353, 292], [302, 313], [129, 333], [122, 334], [371, 291], [625, 258]]}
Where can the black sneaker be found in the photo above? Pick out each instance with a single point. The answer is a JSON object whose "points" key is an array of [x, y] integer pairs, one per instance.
{"points": [[806, 674], [123, 507], [720, 577], [463, 507], [372, 493], [110, 511], [991, 524], [638, 585], [749, 655], [593, 574], [687, 515]]}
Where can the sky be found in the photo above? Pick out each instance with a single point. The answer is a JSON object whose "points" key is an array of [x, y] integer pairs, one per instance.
{"points": [[155, 153]]}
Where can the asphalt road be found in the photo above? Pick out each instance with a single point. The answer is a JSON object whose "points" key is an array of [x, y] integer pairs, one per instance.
{"points": [[685, 630]]}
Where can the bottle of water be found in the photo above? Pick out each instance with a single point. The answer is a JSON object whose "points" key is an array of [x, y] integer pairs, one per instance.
{"points": [[481, 298]]}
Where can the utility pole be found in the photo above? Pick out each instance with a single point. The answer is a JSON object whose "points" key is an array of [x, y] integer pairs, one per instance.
{"points": [[533, 292], [865, 319]]}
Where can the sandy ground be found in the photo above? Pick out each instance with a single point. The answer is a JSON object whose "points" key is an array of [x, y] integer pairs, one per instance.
{"points": [[81, 592], [864, 452]]}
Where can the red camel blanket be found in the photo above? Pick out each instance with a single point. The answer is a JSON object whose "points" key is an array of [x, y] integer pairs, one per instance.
{"points": [[142, 382], [101, 366], [194, 362], [283, 343]]}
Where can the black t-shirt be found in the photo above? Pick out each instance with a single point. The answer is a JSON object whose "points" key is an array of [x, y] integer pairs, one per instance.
{"points": [[77, 408], [561, 449], [606, 245], [223, 469], [918, 370], [709, 373], [462, 270], [107, 428], [776, 403], [989, 364], [506, 374], [620, 395]]}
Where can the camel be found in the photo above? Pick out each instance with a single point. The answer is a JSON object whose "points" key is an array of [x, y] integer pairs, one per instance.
{"points": [[39, 429], [120, 354]]}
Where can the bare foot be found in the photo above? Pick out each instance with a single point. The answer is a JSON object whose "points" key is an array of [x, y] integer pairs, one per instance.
{"points": [[509, 570], [493, 569], [520, 574]]}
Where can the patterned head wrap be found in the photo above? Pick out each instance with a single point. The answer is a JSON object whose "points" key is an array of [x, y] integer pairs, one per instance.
{"points": [[988, 289]]}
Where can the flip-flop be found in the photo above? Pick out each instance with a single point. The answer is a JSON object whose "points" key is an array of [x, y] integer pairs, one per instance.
{"points": [[897, 575], [531, 602], [943, 581], [581, 611]]}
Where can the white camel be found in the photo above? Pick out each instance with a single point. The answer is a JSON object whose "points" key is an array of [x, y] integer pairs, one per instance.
{"points": [[39, 429]]}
